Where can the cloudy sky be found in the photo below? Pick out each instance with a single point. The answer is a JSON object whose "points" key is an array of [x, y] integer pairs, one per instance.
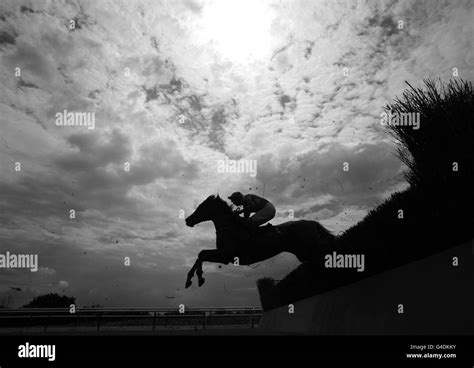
{"points": [[175, 86]]}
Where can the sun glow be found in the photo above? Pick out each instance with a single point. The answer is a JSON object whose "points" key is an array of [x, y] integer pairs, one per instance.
{"points": [[239, 30]]}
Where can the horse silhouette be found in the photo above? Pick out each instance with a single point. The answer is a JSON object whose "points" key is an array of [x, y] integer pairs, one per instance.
{"points": [[305, 239]]}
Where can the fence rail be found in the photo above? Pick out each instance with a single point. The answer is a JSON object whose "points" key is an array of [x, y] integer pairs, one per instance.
{"points": [[154, 318]]}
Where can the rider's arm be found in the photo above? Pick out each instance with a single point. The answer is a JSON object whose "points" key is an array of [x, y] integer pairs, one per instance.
{"points": [[246, 213], [238, 211], [247, 206]]}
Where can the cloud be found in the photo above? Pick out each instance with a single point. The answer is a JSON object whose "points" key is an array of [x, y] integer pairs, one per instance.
{"points": [[28, 58], [46, 271], [63, 284], [169, 102]]}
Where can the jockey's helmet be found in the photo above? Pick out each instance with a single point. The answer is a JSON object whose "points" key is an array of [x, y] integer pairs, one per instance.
{"points": [[236, 198]]}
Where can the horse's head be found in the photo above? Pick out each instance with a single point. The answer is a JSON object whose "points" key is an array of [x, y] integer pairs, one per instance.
{"points": [[206, 211]]}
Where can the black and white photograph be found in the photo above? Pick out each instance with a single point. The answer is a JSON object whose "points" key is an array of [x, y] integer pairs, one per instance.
{"points": [[267, 179]]}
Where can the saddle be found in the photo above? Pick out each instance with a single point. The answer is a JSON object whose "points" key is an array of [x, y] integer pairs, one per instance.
{"points": [[262, 235], [266, 229]]}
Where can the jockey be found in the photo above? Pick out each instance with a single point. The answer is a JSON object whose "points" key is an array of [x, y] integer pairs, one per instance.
{"points": [[263, 209]]}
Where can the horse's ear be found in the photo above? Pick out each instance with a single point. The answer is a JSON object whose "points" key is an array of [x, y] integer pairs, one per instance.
{"points": [[217, 196]]}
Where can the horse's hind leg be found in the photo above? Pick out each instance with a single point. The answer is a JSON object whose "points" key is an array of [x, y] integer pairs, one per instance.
{"points": [[199, 273], [211, 255], [192, 271]]}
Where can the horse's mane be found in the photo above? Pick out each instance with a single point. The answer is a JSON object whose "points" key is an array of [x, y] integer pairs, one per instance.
{"points": [[223, 204]]}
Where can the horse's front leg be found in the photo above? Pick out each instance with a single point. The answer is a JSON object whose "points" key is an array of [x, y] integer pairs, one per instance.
{"points": [[223, 256]]}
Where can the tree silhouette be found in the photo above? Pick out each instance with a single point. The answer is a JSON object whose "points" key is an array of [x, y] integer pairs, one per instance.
{"points": [[51, 300], [444, 138]]}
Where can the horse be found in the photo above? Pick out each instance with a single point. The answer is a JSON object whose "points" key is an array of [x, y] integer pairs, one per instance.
{"points": [[234, 243]]}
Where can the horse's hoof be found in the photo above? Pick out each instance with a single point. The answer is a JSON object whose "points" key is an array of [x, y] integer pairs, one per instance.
{"points": [[201, 281], [188, 283]]}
